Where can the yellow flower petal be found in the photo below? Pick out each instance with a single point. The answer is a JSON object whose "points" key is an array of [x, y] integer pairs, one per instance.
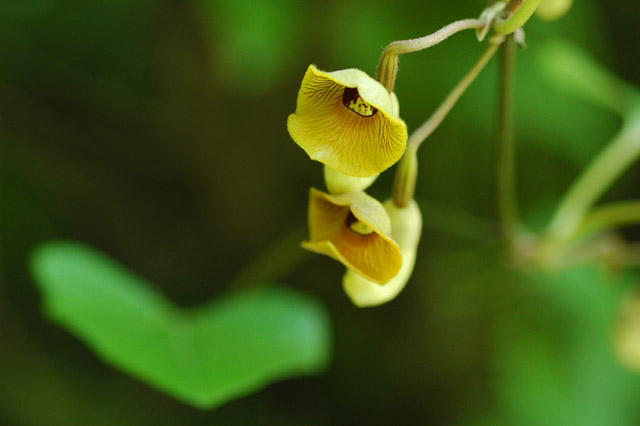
{"points": [[407, 228], [354, 229], [348, 121]]}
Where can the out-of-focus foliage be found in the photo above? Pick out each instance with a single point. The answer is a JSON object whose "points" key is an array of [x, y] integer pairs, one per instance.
{"points": [[555, 364], [204, 356], [135, 127]]}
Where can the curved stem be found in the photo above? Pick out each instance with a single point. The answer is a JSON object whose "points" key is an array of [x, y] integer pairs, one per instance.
{"points": [[621, 152], [519, 17], [403, 188], [388, 63], [428, 127]]}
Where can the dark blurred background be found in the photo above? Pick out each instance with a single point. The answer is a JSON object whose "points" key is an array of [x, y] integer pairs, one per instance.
{"points": [[156, 132]]}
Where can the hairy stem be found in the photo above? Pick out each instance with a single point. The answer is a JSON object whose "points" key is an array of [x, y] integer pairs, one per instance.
{"points": [[388, 63]]}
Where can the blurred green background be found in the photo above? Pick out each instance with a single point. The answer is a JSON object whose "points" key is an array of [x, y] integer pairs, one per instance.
{"points": [[156, 132]]}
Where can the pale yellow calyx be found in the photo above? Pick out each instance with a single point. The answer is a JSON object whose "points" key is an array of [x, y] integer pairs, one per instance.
{"points": [[348, 121], [551, 10], [395, 105], [406, 223], [339, 183], [354, 229]]}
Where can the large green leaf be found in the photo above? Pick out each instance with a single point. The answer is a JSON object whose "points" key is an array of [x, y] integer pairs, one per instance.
{"points": [[203, 356]]}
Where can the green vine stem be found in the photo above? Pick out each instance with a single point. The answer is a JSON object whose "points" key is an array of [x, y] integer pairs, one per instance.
{"points": [[406, 173], [388, 63], [518, 18], [275, 262], [507, 202], [611, 215], [622, 152]]}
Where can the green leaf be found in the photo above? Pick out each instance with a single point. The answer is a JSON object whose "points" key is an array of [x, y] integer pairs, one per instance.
{"points": [[203, 356]]}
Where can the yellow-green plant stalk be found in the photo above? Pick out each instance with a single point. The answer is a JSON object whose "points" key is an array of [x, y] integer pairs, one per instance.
{"points": [[406, 224], [516, 14], [354, 229], [347, 121]]}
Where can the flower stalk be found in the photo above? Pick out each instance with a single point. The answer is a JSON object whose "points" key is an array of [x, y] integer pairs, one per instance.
{"points": [[507, 206], [407, 169], [517, 14], [388, 64]]}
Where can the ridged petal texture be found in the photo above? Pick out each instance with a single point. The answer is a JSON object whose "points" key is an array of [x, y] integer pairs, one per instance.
{"points": [[348, 121], [374, 256]]}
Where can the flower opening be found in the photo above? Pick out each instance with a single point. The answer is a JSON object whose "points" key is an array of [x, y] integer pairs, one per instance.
{"points": [[354, 229], [407, 227]]}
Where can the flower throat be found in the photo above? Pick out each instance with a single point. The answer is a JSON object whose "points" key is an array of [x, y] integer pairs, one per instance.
{"points": [[358, 227], [352, 100]]}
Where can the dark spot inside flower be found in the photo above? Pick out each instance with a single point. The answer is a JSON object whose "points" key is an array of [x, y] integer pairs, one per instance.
{"points": [[356, 226], [352, 100]]}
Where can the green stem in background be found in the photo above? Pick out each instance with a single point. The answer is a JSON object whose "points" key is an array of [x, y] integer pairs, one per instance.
{"points": [[388, 63], [274, 263], [507, 201], [574, 72], [621, 153], [519, 17], [444, 218], [403, 188], [611, 215]]}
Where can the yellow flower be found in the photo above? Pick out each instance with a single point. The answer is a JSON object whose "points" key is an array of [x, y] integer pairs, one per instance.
{"points": [[406, 223], [354, 229], [348, 121]]}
